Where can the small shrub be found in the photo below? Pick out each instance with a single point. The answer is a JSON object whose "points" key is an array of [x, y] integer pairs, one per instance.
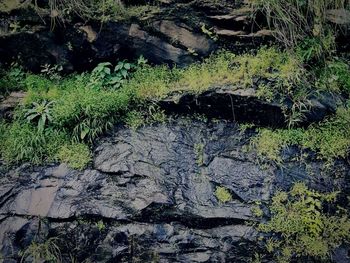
{"points": [[223, 195], [104, 77], [76, 155], [300, 227]]}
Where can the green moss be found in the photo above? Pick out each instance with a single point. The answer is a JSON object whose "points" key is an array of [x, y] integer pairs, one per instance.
{"points": [[224, 68], [329, 139], [300, 226], [76, 155], [223, 195], [199, 151]]}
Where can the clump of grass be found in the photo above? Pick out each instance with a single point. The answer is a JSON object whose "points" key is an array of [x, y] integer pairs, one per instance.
{"points": [[295, 20], [21, 142], [223, 195], [86, 113], [301, 227], [47, 251], [152, 82], [76, 155], [329, 139], [146, 116]]}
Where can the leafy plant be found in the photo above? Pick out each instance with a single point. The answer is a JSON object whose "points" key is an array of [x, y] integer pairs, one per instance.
{"points": [[52, 71], [86, 112], [145, 116], [103, 76], [300, 227], [40, 113], [12, 80]]}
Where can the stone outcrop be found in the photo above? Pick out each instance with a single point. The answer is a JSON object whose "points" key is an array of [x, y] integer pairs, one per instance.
{"points": [[149, 195], [167, 36], [243, 105]]}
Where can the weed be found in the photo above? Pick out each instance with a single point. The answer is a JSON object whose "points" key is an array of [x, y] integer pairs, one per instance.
{"points": [[222, 194], [301, 227], [39, 113], [12, 79], [76, 155], [295, 20], [100, 225], [329, 139], [47, 251], [87, 112], [145, 116], [23, 142]]}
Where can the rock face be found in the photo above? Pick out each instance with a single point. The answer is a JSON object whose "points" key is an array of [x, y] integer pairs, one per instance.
{"points": [[244, 105], [169, 36], [149, 196]]}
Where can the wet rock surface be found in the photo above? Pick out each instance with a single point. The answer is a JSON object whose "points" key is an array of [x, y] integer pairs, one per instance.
{"points": [[149, 196], [243, 105]]}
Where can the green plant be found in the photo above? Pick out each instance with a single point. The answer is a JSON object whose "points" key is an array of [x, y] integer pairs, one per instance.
{"points": [[334, 76], [40, 113], [12, 80], [76, 155], [100, 225], [52, 71], [103, 77], [300, 226], [222, 194], [257, 211], [87, 112], [47, 251], [209, 32], [145, 116], [329, 139], [24, 143], [295, 20]]}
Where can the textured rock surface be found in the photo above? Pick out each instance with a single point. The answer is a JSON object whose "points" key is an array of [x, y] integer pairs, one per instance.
{"points": [[244, 105], [150, 196], [168, 36]]}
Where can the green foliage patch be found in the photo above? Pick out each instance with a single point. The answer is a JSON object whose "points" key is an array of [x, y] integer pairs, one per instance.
{"points": [[76, 155], [329, 139], [223, 195], [22, 142], [301, 227]]}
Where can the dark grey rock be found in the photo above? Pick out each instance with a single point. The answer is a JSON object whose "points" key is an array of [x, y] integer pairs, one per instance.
{"points": [[150, 196]]}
